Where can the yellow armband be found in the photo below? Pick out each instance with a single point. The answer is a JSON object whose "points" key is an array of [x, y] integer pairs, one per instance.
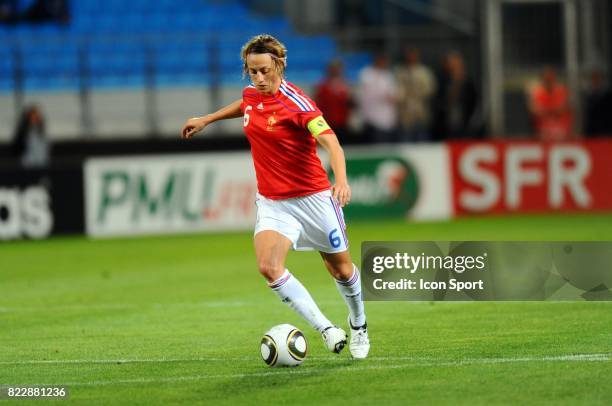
{"points": [[318, 125]]}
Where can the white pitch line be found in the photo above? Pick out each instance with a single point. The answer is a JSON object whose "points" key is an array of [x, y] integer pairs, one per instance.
{"points": [[418, 360], [128, 306], [353, 368], [205, 377], [124, 306], [122, 361], [569, 357]]}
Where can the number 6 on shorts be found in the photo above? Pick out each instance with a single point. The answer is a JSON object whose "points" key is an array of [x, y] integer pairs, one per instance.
{"points": [[334, 241]]}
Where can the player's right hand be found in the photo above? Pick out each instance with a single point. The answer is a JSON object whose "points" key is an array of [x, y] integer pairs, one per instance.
{"points": [[193, 126]]}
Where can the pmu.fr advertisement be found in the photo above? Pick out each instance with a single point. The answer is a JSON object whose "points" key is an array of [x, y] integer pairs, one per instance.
{"points": [[527, 176], [169, 194]]}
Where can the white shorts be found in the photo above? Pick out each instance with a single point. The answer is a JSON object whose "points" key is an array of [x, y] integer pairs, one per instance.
{"points": [[313, 222]]}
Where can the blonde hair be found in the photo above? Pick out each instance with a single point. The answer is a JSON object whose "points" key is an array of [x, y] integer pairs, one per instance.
{"points": [[265, 44]]}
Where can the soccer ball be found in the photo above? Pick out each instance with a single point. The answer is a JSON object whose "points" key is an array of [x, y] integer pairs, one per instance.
{"points": [[283, 346]]}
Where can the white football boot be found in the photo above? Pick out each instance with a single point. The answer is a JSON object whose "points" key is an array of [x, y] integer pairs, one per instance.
{"points": [[334, 338], [360, 344]]}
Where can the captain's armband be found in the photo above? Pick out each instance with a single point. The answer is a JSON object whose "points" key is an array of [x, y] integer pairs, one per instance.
{"points": [[318, 126]]}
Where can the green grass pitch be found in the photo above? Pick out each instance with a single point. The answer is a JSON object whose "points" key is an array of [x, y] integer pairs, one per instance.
{"points": [[177, 319]]}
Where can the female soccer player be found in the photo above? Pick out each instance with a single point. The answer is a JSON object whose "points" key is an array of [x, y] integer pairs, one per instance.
{"points": [[297, 207]]}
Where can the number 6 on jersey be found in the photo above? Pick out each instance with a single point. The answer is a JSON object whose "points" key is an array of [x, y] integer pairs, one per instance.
{"points": [[246, 116]]}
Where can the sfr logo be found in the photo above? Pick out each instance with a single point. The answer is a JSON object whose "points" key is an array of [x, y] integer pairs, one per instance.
{"points": [[529, 176]]}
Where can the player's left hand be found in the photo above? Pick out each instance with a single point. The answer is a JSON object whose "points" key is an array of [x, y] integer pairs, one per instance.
{"points": [[342, 193]]}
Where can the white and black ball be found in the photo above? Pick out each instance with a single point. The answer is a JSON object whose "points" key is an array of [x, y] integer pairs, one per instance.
{"points": [[283, 346]]}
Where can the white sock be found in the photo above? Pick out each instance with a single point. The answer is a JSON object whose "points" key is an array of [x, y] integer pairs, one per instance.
{"points": [[351, 292], [289, 289]]}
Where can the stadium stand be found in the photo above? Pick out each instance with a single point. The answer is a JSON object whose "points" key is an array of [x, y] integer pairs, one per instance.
{"points": [[116, 50]]}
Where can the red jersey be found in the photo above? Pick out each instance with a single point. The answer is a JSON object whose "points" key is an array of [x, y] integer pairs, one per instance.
{"points": [[333, 97], [555, 120], [284, 151]]}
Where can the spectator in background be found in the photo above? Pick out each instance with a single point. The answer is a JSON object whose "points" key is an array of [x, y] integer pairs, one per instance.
{"points": [[377, 99], [455, 102], [8, 11], [333, 96], [598, 115], [550, 108], [30, 144], [416, 84], [48, 10]]}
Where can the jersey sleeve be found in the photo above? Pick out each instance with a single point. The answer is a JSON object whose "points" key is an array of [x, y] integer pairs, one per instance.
{"points": [[304, 117], [311, 118]]}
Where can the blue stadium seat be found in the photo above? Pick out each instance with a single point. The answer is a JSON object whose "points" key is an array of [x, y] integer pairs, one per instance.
{"points": [[116, 55]]}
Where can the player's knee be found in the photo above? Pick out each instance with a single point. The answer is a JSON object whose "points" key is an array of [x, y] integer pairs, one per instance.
{"points": [[270, 271], [342, 272]]}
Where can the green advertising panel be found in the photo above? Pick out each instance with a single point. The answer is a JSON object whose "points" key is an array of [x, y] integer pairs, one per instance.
{"points": [[382, 186]]}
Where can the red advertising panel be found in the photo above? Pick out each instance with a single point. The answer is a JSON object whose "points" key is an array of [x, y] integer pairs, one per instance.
{"points": [[529, 176]]}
